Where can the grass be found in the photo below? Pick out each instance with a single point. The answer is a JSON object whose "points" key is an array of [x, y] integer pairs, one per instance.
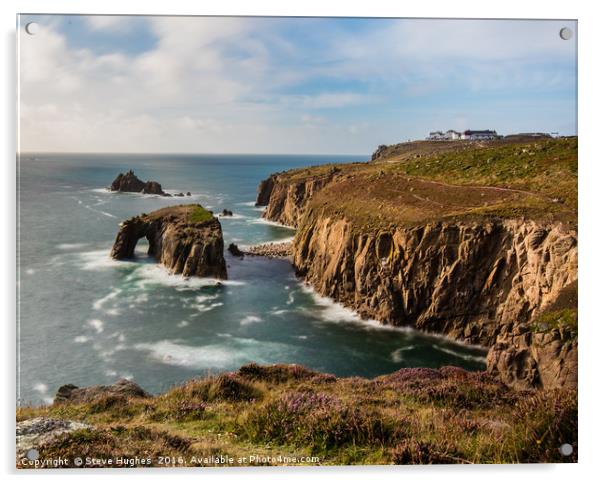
{"points": [[464, 181], [198, 214], [409, 417]]}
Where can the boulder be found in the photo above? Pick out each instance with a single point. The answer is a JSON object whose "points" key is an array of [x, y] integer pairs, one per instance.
{"points": [[123, 388], [234, 250]]}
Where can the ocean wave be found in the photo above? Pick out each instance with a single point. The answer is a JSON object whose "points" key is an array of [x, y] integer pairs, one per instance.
{"points": [[195, 357], [100, 260], [42, 390], [71, 246], [97, 325], [336, 312], [466, 357], [155, 274], [263, 221], [233, 216], [250, 319], [397, 354], [97, 304], [105, 213]]}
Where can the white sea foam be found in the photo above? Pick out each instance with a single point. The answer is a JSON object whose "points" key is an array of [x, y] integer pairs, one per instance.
{"points": [[234, 216], [70, 246], [183, 323], [175, 354], [263, 221], [207, 308], [250, 319], [280, 311], [42, 390], [82, 339], [155, 274], [30, 271], [105, 213], [335, 312], [98, 304], [466, 357], [97, 325], [397, 354], [233, 353], [101, 260]]}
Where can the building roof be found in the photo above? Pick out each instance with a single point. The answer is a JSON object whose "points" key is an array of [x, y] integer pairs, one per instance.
{"points": [[485, 131]]}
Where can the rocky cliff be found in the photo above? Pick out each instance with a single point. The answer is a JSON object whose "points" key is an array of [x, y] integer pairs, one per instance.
{"points": [[479, 279], [187, 239], [285, 198]]}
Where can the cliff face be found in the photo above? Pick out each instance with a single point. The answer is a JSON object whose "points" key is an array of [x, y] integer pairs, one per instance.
{"points": [[480, 282], [285, 199], [186, 239]]}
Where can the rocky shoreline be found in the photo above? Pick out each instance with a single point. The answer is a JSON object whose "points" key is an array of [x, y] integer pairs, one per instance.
{"points": [[271, 250]]}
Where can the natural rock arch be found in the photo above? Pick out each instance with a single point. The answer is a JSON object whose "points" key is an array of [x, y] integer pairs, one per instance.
{"points": [[177, 240]]}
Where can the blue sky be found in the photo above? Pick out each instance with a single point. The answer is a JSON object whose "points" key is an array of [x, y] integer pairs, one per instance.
{"points": [[286, 85]]}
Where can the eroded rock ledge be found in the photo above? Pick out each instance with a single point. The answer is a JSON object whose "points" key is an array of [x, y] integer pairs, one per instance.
{"points": [[187, 239]]}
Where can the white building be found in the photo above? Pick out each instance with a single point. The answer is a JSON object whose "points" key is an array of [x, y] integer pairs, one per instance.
{"points": [[452, 135]]}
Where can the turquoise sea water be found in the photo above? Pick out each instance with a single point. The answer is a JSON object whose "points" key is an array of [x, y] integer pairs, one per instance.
{"points": [[86, 319]]}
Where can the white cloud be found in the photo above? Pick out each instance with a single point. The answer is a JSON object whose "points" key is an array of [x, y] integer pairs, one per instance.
{"points": [[235, 84], [108, 22]]}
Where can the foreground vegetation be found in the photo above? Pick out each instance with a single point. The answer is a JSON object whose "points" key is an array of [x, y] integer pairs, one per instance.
{"points": [[413, 416]]}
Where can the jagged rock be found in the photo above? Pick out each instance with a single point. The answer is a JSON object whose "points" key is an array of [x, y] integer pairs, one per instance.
{"points": [[177, 240], [36, 432], [264, 191], [234, 250], [130, 183], [188, 193], [226, 212], [380, 150], [179, 194], [74, 394], [542, 359]]}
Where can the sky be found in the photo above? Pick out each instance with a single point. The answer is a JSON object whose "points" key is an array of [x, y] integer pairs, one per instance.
{"points": [[285, 85]]}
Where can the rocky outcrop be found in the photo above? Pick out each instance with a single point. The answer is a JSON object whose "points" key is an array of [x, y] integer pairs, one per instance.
{"points": [[235, 251], [527, 358], [480, 282], [122, 388], [130, 183], [40, 431], [285, 199], [187, 239]]}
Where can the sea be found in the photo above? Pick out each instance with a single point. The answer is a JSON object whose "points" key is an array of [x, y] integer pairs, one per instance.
{"points": [[86, 319]]}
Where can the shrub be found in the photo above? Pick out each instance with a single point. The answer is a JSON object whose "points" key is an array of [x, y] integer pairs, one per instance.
{"points": [[413, 452], [225, 387], [317, 420], [545, 421], [277, 373]]}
